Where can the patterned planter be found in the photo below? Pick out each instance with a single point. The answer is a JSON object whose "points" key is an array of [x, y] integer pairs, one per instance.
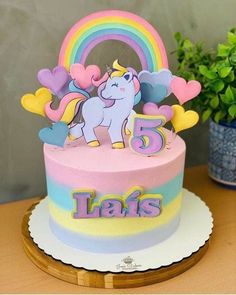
{"points": [[222, 153]]}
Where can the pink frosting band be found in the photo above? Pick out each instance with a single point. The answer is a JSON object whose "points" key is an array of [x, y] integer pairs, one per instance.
{"points": [[109, 170]]}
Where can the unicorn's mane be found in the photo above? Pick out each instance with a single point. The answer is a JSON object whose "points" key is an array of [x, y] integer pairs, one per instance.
{"points": [[117, 69]]}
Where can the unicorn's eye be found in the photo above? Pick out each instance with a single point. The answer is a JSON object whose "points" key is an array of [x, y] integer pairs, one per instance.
{"points": [[115, 84]]}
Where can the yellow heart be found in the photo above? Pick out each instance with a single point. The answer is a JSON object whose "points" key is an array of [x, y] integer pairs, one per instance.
{"points": [[35, 103], [183, 120]]}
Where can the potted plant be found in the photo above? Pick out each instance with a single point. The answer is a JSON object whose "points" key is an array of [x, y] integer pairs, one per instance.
{"points": [[216, 71]]}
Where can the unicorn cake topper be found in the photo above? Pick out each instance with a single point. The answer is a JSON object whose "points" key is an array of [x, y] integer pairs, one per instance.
{"points": [[111, 108], [119, 89]]}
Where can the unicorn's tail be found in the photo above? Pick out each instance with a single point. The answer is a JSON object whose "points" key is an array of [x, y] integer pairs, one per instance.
{"points": [[67, 109]]}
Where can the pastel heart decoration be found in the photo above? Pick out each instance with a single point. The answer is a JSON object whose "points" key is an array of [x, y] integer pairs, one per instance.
{"points": [[162, 77], [54, 80], [151, 109], [64, 90], [83, 76], [152, 93], [185, 91], [183, 120], [55, 135], [35, 103]]}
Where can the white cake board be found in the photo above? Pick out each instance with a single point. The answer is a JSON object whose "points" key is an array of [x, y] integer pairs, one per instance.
{"points": [[194, 230]]}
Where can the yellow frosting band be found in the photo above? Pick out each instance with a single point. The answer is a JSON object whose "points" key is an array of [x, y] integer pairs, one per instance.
{"points": [[114, 226]]}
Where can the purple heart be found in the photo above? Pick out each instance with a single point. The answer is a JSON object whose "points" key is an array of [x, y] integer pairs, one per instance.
{"points": [[55, 79], [151, 109], [162, 77]]}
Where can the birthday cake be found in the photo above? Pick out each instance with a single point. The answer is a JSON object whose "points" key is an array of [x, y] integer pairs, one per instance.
{"points": [[114, 176]]}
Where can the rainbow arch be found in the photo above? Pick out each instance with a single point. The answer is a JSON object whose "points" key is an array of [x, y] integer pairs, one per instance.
{"points": [[114, 25]]}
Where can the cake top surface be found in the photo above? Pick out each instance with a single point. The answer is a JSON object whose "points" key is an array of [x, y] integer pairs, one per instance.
{"points": [[79, 156]]}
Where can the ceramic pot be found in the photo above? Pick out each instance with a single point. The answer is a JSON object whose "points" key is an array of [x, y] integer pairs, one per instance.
{"points": [[222, 153]]}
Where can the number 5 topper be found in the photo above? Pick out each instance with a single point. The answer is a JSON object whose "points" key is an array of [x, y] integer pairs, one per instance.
{"points": [[147, 135]]}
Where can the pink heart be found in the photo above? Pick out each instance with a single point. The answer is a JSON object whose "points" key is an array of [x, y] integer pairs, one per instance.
{"points": [[185, 91], [55, 79], [151, 109], [83, 76]]}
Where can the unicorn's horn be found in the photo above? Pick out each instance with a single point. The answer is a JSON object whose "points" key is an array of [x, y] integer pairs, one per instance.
{"points": [[109, 70]]}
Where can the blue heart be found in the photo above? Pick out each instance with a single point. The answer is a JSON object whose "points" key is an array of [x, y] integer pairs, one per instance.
{"points": [[55, 135], [153, 93]]}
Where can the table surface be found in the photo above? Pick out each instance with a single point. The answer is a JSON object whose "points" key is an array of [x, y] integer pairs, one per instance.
{"points": [[214, 273]]}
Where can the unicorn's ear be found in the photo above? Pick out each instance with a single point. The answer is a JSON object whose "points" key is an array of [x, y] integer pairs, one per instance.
{"points": [[128, 76]]}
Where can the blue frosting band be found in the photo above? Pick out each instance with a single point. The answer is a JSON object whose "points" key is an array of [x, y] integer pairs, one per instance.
{"points": [[61, 194]]}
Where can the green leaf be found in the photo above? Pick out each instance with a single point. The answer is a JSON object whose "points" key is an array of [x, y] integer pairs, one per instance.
{"points": [[225, 99], [211, 75], [206, 115], [232, 59], [178, 37], [234, 92], [233, 49], [221, 64], [228, 97], [232, 111], [189, 55], [231, 38], [230, 77], [219, 116], [214, 102], [187, 44], [217, 85], [229, 94], [224, 72], [203, 70], [223, 50]]}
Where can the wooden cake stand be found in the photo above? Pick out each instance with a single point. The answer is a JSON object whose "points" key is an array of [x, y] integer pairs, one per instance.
{"points": [[83, 277]]}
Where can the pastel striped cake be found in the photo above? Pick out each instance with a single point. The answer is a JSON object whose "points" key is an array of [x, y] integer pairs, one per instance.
{"points": [[111, 172]]}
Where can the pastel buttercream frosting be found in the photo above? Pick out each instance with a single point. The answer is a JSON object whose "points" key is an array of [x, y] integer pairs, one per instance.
{"points": [[111, 172]]}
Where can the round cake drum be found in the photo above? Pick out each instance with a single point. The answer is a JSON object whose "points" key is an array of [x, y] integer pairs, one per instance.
{"points": [[191, 236]]}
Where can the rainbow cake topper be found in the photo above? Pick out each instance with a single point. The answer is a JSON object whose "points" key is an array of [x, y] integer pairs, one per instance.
{"points": [[119, 88], [114, 25]]}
